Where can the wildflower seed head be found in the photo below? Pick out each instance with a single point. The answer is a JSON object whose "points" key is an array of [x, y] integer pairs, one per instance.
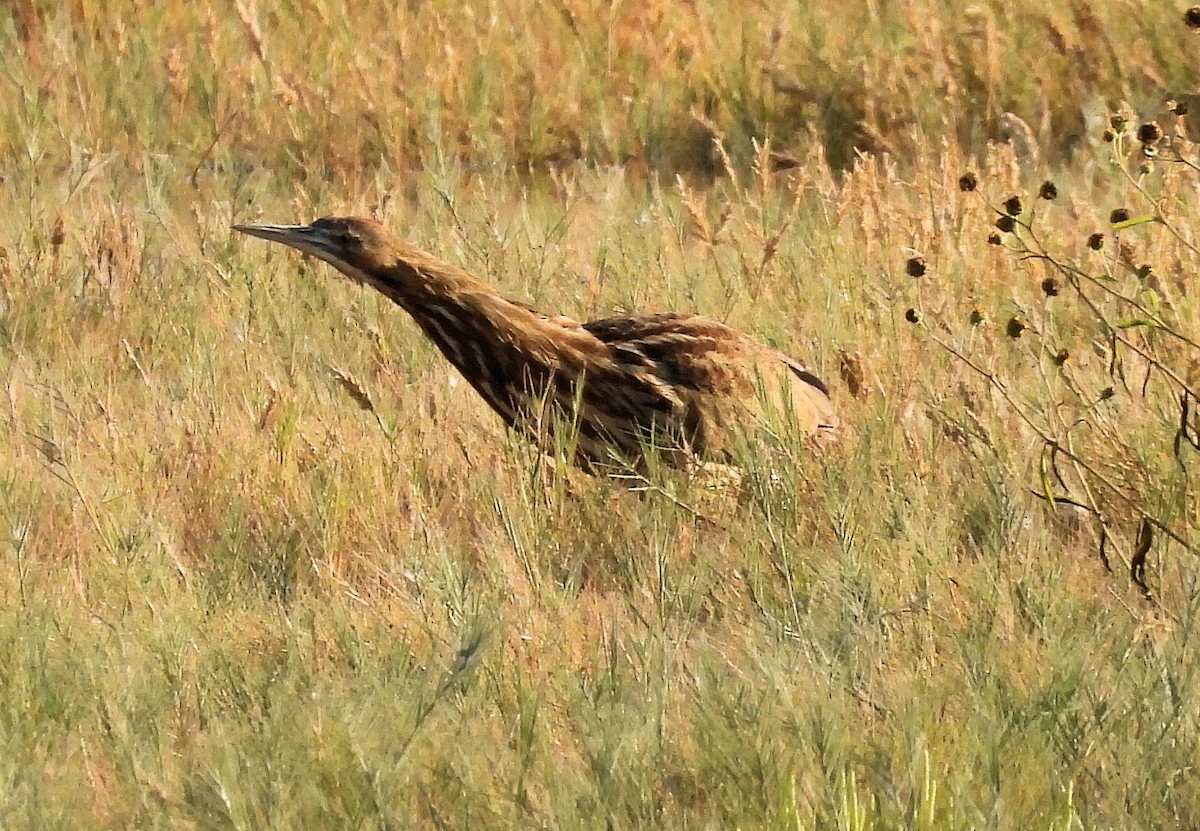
{"points": [[915, 267], [1144, 271], [1107, 393], [1109, 135], [967, 182], [1149, 132], [1118, 216], [59, 235], [1012, 206], [912, 317], [1061, 357], [1192, 18], [1016, 325], [1048, 190], [1096, 241], [995, 239], [1146, 168], [977, 317], [1050, 287], [1178, 107], [1006, 224]]}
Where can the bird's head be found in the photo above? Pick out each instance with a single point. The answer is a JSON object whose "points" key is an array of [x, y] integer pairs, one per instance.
{"points": [[357, 247]]}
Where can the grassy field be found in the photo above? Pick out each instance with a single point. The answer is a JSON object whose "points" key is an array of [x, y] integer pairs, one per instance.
{"points": [[266, 562]]}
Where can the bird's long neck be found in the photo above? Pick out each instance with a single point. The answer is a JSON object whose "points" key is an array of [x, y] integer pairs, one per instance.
{"points": [[490, 339]]}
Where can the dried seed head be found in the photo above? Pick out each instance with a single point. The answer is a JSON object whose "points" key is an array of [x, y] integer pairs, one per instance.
{"points": [[1048, 190], [1110, 135], [1178, 107], [1118, 121], [967, 182], [59, 235], [1192, 18], [1144, 271], [1016, 325], [1061, 357], [977, 316], [1096, 241], [1149, 132], [1118, 216], [1012, 206], [1107, 393], [1006, 224], [995, 239], [912, 317], [915, 267], [1050, 287]]}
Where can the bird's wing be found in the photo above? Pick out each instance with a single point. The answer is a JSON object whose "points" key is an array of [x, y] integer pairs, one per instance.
{"points": [[729, 372]]}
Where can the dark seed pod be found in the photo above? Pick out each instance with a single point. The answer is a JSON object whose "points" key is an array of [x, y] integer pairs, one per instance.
{"points": [[1096, 241], [912, 317], [1012, 206], [1149, 132], [1050, 287], [1118, 216], [915, 267], [1016, 325], [1192, 18], [1048, 191], [1006, 224], [967, 182]]}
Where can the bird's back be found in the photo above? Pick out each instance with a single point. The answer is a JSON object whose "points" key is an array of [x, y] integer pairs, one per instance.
{"points": [[721, 383]]}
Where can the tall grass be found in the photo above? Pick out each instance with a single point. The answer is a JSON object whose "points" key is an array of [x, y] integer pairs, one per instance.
{"points": [[266, 562]]}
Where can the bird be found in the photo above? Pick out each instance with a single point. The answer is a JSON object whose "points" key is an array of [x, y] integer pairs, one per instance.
{"points": [[611, 392]]}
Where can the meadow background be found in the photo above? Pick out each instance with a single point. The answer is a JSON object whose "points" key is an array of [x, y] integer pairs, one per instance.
{"points": [[265, 562]]}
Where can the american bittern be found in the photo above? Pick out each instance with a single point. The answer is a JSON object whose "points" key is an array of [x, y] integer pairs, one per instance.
{"points": [[681, 383]]}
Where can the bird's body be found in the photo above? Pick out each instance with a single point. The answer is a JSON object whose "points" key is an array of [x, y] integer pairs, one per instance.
{"points": [[686, 384]]}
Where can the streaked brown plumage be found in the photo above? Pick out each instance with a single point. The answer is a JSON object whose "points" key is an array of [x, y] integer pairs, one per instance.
{"points": [[687, 383]]}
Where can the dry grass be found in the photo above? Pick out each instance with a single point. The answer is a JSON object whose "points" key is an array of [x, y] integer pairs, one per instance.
{"points": [[266, 563]]}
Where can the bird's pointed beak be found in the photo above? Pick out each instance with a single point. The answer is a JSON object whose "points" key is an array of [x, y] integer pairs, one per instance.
{"points": [[304, 238], [286, 234]]}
